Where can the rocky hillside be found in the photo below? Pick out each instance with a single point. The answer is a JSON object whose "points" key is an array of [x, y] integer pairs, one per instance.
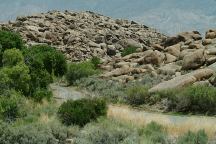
{"points": [[177, 61], [83, 35]]}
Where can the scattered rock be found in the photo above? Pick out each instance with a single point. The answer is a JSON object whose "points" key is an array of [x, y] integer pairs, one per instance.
{"points": [[193, 60]]}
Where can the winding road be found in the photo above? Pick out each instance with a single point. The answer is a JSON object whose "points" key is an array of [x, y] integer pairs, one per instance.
{"points": [[175, 125]]}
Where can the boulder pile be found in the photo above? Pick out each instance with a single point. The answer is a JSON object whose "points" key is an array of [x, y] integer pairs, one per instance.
{"points": [[81, 35]]}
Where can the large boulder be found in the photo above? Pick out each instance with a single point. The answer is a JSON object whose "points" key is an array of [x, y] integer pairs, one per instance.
{"points": [[183, 80], [182, 37], [170, 69], [193, 60], [152, 57], [174, 50], [210, 34]]}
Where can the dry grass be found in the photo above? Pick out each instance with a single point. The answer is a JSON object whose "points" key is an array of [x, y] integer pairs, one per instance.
{"points": [[175, 125]]}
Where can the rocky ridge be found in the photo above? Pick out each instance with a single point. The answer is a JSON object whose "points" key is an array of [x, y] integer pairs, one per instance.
{"points": [[176, 61], [81, 35]]}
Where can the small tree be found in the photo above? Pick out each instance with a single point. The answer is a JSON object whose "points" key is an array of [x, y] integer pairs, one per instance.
{"points": [[9, 40]]}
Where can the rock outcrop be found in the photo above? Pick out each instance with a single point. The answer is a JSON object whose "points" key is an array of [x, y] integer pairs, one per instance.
{"points": [[81, 35]]}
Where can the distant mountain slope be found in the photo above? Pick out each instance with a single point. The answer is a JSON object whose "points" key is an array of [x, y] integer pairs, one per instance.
{"points": [[169, 16]]}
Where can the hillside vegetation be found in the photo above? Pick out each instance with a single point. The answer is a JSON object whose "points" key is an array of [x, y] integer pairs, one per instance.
{"points": [[117, 62]]}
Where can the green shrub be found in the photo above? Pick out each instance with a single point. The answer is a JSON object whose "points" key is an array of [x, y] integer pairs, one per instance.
{"points": [[9, 40], [33, 133], [16, 77], [81, 112], [44, 62], [12, 57], [195, 99], [107, 132], [193, 138], [46, 57], [41, 94], [11, 106], [128, 50], [137, 95], [95, 61], [77, 71], [154, 133]]}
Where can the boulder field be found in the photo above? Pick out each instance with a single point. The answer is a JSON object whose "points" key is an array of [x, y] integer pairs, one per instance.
{"points": [[185, 59]]}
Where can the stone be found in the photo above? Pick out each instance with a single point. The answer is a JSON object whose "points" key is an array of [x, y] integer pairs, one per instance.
{"points": [[174, 50], [111, 51], [183, 80], [202, 83], [210, 35], [129, 43], [170, 58], [158, 47], [152, 57], [169, 69], [206, 42], [193, 60]]}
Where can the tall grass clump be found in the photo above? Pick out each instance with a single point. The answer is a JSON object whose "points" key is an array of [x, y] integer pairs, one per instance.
{"points": [[154, 133], [137, 95], [199, 137], [129, 50]]}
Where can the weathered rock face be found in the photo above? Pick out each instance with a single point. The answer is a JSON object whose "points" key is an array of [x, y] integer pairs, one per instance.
{"points": [[184, 80], [83, 35]]}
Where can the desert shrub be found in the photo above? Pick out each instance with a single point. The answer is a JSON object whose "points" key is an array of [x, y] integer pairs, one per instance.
{"points": [[111, 90], [129, 50], [154, 133], [12, 57], [95, 61], [9, 40], [33, 133], [41, 94], [137, 95], [81, 112], [195, 99], [107, 132], [193, 138], [11, 106], [77, 71]]}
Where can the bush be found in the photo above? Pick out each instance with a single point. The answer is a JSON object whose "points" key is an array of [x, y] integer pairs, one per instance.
{"points": [[107, 132], [195, 99], [34, 133], [193, 138], [77, 71], [16, 77], [44, 62], [137, 95], [9, 40], [12, 57], [11, 106], [41, 94], [80, 112], [47, 58], [128, 50], [154, 133], [95, 61]]}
